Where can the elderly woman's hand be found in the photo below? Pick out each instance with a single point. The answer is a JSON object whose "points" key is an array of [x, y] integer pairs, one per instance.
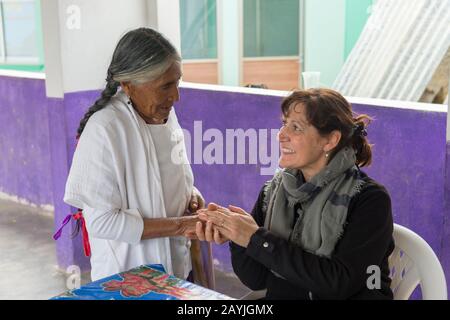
{"points": [[232, 223], [206, 231], [197, 201], [187, 226]]}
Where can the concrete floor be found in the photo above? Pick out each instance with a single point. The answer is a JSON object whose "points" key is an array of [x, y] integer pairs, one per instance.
{"points": [[28, 268]]}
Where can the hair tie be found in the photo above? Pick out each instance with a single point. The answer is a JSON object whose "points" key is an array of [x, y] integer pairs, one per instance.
{"points": [[359, 130]]}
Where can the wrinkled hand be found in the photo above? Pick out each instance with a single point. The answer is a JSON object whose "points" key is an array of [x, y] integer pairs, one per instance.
{"points": [[232, 223], [205, 230], [187, 226], [197, 201]]}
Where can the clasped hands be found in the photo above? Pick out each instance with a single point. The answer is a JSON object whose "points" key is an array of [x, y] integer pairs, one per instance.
{"points": [[220, 224], [217, 223]]}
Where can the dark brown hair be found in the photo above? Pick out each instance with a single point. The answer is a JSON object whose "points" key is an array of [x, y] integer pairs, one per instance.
{"points": [[327, 110]]}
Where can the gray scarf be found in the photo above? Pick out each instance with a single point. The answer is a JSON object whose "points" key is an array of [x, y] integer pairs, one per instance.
{"points": [[323, 203]]}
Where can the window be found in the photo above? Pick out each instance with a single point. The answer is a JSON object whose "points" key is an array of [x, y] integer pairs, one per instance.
{"points": [[271, 28], [198, 29], [20, 41]]}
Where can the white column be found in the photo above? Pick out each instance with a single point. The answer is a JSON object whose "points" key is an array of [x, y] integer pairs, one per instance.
{"points": [[324, 38], [152, 14], [80, 37], [168, 21], [230, 42], [52, 49], [87, 45]]}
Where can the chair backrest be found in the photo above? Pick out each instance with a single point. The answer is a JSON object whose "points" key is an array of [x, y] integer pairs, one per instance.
{"points": [[413, 263]]}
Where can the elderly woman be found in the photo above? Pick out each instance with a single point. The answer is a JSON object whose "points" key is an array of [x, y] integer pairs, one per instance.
{"points": [[321, 222], [133, 191]]}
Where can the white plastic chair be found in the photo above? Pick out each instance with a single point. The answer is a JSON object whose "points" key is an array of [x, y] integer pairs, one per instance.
{"points": [[412, 263]]}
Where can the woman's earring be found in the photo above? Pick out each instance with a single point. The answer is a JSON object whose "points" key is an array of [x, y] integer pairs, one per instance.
{"points": [[129, 100], [326, 155]]}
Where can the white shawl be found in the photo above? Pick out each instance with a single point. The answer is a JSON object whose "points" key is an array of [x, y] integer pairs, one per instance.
{"points": [[115, 179]]}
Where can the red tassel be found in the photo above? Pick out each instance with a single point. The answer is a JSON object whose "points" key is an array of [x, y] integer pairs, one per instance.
{"points": [[79, 216], [86, 245]]}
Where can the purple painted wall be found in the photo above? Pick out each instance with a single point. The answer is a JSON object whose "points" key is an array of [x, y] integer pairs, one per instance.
{"points": [[445, 238], [75, 104], [69, 251], [24, 140], [34, 154], [228, 184], [409, 159], [409, 155]]}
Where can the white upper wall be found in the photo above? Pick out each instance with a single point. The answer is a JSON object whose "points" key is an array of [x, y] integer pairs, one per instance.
{"points": [[52, 49], [324, 38], [168, 20], [80, 37], [89, 36]]}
